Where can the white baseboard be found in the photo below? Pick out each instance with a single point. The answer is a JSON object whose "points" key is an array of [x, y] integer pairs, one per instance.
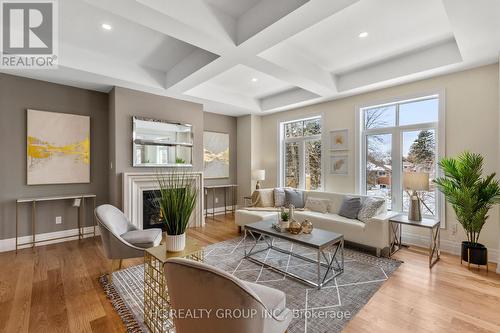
{"points": [[9, 244], [448, 246]]}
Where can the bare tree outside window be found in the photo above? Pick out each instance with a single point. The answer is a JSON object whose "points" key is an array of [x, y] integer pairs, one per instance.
{"points": [[302, 154], [409, 128], [292, 165]]}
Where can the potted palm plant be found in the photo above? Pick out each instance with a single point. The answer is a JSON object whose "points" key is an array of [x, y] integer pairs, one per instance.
{"points": [[471, 196], [176, 201]]}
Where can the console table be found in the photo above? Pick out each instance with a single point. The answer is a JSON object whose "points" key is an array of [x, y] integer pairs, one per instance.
{"points": [[435, 235], [81, 216], [232, 190]]}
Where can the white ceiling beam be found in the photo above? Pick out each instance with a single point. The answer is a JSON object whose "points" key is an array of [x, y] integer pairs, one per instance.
{"points": [[441, 54], [197, 14], [315, 82], [195, 21], [88, 61], [192, 63], [311, 78], [225, 96], [476, 27], [285, 98], [148, 17], [309, 14], [306, 73], [224, 41]]}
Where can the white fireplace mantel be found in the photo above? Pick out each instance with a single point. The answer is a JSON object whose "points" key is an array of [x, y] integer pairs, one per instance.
{"points": [[135, 183]]}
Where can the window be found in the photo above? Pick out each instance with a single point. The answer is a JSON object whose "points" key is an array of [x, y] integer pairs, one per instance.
{"points": [[301, 153], [397, 138]]}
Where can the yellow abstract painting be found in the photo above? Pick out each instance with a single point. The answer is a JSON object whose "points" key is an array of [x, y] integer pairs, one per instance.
{"points": [[58, 148]]}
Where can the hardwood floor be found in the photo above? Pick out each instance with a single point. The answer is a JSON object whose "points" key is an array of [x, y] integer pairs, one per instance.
{"points": [[54, 288]]}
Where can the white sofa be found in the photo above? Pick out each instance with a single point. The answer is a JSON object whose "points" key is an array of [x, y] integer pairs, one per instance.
{"points": [[375, 233]]}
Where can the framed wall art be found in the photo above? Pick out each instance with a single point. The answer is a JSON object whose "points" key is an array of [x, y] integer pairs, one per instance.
{"points": [[58, 148], [215, 155], [339, 140]]}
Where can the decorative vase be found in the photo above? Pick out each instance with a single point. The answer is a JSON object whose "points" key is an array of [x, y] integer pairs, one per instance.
{"points": [[294, 227], [474, 253], [307, 226], [176, 243]]}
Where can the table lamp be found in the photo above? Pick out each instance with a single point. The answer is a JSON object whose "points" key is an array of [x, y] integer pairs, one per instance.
{"points": [[415, 181], [258, 175]]}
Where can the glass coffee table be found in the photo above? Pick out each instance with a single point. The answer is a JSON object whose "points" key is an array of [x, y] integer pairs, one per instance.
{"points": [[328, 245]]}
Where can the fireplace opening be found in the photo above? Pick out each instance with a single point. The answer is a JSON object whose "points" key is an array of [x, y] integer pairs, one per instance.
{"points": [[151, 214]]}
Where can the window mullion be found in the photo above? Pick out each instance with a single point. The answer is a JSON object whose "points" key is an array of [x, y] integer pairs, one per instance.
{"points": [[302, 165], [397, 179]]}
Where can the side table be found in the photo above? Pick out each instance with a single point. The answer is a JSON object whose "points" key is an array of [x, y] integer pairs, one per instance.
{"points": [[156, 300], [434, 226]]}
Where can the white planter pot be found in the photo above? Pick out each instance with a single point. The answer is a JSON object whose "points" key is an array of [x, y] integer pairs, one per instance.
{"points": [[176, 243]]}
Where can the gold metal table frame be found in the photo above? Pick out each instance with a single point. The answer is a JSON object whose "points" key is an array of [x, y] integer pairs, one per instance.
{"points": [[156, 299]]}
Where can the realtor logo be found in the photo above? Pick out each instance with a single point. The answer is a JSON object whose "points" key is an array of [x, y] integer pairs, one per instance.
{"points": [[29, 34]]}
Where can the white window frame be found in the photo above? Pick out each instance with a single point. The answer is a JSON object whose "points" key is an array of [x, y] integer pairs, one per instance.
{"points": [[397, 142], [282, 141]]}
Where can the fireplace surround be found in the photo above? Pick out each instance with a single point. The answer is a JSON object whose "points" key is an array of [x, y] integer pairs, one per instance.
{"points": [[136, 183]]}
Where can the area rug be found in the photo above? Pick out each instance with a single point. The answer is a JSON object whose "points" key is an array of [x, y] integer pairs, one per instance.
{"points": [[325, 310]]}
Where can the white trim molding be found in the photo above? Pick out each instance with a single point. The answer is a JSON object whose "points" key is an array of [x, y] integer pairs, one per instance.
{"points": [[135, 183], [47, 238]]}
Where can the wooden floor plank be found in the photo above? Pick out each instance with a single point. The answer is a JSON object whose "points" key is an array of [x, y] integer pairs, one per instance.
{"points": [[55, 288]]}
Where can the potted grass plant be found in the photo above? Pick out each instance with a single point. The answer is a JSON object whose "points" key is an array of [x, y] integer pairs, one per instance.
{"points": [[176, 201], [471, 196]]}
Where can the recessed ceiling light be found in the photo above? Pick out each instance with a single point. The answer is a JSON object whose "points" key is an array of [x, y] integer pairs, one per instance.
{"points": [[255, 79], [106, 26], [363, 34]]}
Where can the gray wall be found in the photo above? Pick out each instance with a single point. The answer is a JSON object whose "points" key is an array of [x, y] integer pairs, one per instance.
{"points": [[126, 103], [225, 124], [244, 144], [18, 94]]}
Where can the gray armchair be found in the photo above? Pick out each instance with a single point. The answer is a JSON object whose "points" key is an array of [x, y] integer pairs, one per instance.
{"points": [[196, 286], [120, 238]]}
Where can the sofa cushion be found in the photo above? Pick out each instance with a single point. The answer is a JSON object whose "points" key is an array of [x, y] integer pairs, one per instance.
{"points": [[279, 197], [143, 238], [244, 217], [350, 207], [317, 204], [294, 197], [370, 208], [263, 198]]}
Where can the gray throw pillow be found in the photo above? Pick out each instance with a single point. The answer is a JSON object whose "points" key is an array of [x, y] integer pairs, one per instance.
{"points": [[294, 197], [279, 197], [350, 208], [369, 208]]}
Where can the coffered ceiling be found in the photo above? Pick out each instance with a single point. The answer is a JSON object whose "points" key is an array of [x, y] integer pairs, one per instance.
{"points": [[261, 56]]}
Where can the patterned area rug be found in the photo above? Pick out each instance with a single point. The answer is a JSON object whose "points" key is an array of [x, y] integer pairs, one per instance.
{"points": [[325, 310]]}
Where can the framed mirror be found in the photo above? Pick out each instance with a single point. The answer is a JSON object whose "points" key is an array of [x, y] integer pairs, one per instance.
{"points": [[159, 143]]}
